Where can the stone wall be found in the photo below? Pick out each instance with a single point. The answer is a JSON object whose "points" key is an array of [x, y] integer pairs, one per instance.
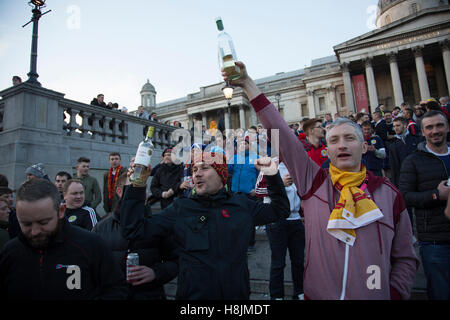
{"points": [[40, 125]]}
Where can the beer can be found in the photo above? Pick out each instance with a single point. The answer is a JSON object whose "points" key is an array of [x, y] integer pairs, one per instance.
{"points": [[132, 261]]}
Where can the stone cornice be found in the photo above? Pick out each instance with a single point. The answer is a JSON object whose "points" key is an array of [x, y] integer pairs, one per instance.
{"points": [[29, 88], [398, 37], [363, 41]]}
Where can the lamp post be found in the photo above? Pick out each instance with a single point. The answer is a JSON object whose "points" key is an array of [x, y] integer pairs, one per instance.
{"points": [[228, 93], [37, 14], [278, 98]]}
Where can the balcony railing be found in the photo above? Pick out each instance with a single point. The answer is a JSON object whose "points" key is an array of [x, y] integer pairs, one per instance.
{"points": [[101, 124]]}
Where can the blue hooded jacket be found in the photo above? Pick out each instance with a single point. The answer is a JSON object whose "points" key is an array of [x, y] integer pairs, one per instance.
{"points": [[244, 173]]}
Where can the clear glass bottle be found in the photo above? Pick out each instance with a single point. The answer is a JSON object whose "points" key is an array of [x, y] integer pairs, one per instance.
{"points": [[227, 54], [143, 158]]}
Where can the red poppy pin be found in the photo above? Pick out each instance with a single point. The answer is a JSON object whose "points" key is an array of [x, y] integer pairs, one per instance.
{"points": [[225, 213]]}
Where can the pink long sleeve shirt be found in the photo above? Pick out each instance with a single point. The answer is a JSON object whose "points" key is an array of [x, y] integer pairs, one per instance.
{"points": [[381, 264]]}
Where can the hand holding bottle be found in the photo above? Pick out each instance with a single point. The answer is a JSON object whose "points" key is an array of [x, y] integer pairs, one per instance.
{"points": [[145, 174], [245, 82]]}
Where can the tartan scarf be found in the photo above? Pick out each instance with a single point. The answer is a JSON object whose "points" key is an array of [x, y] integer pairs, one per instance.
{"points": [[354, 208]]}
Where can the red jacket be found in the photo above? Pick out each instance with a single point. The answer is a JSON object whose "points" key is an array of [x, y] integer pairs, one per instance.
{"points": [[319, 155]]}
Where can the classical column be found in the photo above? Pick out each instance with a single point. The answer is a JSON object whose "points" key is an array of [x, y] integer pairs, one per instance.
{"points": [[242, 117], [227, 118], [348, 88], [373, 96], [445, 45], [190, 122], [331, 100], [311, 108], [253, 117], [204, 120], [395, 77], [421, 74]]}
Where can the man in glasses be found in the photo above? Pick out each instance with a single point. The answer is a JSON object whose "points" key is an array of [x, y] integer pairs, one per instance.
{"points": [[312, 140]]}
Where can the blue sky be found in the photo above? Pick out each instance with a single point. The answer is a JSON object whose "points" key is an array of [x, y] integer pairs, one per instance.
{"points": [[112, 47]]}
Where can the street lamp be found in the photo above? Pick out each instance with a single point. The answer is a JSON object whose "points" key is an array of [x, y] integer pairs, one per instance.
{"points": [[278, 98], [37, 14], [228, 93]]}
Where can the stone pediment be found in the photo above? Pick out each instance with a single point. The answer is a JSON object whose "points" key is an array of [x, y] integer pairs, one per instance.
{"points": [[423, 23]]}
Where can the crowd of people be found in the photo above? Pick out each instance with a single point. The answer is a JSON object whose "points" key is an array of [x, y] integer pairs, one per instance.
{"points": [[348, 197]]}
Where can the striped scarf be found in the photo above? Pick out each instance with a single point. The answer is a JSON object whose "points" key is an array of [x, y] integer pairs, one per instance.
{"points": [[354, 209]]}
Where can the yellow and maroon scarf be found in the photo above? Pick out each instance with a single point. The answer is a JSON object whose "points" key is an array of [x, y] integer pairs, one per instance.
{"points": [[354, 208]]}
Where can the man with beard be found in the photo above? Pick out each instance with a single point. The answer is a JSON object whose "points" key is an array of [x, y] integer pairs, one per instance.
{"points": [[51, 259], [76, 212], [423, 179], [212, 228], [419, 111]]}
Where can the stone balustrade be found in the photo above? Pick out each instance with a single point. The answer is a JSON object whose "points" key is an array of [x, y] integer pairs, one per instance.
{"points": [[101, 124], [40, 125]]}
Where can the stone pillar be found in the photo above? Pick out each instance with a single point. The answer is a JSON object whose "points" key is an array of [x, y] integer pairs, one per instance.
{"points": [[32, 132], [421, 74], [227, 118], [348, 88], [242, 117], [190, 122], [204, 120], [311, 108], [445, 45], [253, 117], [372, 88], [332, 100], [395, 77]]}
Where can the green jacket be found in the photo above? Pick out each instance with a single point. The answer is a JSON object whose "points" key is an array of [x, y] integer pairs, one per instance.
{"points": [[92, 194]]}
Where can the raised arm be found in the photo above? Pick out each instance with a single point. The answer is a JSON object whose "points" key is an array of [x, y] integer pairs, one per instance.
{"points": [[279, 208], [302, 169]]}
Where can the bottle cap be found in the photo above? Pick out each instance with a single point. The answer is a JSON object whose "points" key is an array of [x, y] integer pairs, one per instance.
{"points": [[219, 23]]}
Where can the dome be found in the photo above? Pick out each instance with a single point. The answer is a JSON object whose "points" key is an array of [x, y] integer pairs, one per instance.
{"points": [[148, 87], [393, 10]]}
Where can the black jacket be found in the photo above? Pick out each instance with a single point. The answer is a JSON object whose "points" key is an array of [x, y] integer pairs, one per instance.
{"points": [[156, 252], [381, 130], [420, 175], [167, 177], [28, 273], [84, 217], [398, 151], [213, 234], [95, 102]]}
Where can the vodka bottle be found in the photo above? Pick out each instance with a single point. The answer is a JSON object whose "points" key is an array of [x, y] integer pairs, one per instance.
{"points": [[227, 54], [143, 158]]}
